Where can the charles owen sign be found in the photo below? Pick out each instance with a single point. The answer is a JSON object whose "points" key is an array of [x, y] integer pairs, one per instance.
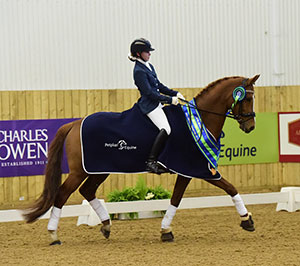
{"points": [[24, 146]]}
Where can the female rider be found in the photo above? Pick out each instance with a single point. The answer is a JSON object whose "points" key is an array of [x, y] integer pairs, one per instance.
{"points": [[153, 95]]}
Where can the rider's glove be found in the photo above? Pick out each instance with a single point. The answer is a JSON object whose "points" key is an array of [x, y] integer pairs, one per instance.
{"points": [[180, 96], [175, 100]]}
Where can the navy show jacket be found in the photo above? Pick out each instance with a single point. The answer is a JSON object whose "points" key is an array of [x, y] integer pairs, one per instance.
{"points": [[150, 88]]}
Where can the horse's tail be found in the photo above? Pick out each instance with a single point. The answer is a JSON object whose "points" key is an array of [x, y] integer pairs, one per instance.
{"points": [[52, 176]]}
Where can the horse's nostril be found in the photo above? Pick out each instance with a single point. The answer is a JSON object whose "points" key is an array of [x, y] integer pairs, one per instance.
{"points": [[248, 130]]}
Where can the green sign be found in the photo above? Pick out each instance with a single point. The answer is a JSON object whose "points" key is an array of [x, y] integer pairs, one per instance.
{"points": [[258, 146]]}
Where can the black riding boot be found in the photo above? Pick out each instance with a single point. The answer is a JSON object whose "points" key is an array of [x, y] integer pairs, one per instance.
{"points": [[157, 147]]}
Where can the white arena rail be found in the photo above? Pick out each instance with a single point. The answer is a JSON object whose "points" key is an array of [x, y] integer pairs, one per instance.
{"points": [[287, 199]]}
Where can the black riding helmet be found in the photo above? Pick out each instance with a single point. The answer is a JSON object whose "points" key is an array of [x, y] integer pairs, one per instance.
{"points": [[139, 46]]}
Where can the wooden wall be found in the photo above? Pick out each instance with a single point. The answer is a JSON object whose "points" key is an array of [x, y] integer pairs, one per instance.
{"points": [[18, 105]]}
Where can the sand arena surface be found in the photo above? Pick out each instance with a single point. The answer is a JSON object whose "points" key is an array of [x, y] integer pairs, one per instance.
{"points": [[202, 237]]}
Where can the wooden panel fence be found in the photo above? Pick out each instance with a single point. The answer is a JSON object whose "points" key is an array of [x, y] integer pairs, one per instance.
{"points": [[46, 104]]}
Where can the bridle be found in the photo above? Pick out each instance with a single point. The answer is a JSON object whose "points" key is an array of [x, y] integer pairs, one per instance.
{"points": [[239, 98], [240, 114]]}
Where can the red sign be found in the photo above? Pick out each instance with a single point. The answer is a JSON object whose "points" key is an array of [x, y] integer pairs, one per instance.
{"points": [[289, 136], [294, 132]]}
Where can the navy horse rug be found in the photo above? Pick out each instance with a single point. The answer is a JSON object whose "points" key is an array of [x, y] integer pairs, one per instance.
{"points": [[121, 142]]}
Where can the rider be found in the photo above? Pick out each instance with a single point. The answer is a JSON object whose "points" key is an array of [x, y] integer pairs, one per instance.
{"points": [[153, 95]]}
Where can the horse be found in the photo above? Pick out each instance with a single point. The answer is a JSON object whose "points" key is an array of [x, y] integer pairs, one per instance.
{"points": [[226, 97]]}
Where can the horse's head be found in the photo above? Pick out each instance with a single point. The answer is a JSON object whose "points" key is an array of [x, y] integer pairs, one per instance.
{"points": [[230, 93], [243, 105]]}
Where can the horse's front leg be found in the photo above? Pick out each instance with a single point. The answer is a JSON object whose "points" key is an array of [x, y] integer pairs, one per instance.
{"points": [[246, 217], [179, 188]]}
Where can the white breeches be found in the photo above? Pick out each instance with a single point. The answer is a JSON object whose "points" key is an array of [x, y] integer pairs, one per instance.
{"points": [[159, 118]]}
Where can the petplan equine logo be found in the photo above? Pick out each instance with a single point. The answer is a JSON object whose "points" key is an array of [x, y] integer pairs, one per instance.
{"points": [[120, 145]]}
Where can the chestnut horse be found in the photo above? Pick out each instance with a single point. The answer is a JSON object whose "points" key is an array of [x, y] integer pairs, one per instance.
{"points": [[231, 93]]}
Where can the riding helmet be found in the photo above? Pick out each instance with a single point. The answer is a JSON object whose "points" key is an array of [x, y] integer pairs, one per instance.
{"points": [[139, 46]]}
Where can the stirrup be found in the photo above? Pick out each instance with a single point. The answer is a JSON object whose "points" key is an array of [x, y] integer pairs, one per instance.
{"points": [[154, 167]]}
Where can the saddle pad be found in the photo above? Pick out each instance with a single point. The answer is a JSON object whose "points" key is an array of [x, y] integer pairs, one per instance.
{"points": [[121, 142]]}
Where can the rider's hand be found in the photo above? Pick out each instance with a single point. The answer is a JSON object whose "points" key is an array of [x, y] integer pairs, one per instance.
{"points": [[175, 100], [180, 96]]}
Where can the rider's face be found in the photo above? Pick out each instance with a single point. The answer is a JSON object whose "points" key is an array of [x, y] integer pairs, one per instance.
{"points": [[145, 56]]}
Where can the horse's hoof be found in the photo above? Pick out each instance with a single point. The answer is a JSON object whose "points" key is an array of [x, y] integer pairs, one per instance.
{"points": [[105, 230], [166, 235], [56, 242], [247, 223]]}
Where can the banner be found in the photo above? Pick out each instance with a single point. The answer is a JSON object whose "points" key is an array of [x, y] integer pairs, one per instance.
{"points": [[258, 146], [24, 146], [289, 136]]}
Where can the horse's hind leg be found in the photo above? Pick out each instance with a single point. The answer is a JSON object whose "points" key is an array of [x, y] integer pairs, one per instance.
{"points": [[179, 189], [246, 217], [65, 190], [88, 191]]}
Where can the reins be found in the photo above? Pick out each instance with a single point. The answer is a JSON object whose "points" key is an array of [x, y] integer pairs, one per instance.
{"points": [[228, 114], [206, 111]]}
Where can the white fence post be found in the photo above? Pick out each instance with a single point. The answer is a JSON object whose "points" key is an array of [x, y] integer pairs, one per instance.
{"points": [[293, 202]]}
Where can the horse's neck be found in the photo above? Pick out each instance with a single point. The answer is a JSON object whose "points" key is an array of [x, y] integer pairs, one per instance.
{"points": [[214, 123], [215, 100]]}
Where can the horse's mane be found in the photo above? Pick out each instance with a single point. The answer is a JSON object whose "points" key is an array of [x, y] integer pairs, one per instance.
{"points": [[214, 83]]}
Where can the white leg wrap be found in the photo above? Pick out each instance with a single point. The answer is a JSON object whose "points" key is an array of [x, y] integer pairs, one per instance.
{"points": [[99, 209], [239, 205], [167, 220], [54, 219]]}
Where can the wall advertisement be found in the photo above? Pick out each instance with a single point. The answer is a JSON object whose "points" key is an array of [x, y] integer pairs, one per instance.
{"points": [[258, 146], [24, 146], [289, 136]]}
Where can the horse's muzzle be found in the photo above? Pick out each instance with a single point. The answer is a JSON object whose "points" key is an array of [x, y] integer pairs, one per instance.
{"points": [[246, 129]]}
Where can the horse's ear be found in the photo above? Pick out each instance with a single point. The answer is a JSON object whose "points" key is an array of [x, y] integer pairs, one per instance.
{"points": [[252, 80]]}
